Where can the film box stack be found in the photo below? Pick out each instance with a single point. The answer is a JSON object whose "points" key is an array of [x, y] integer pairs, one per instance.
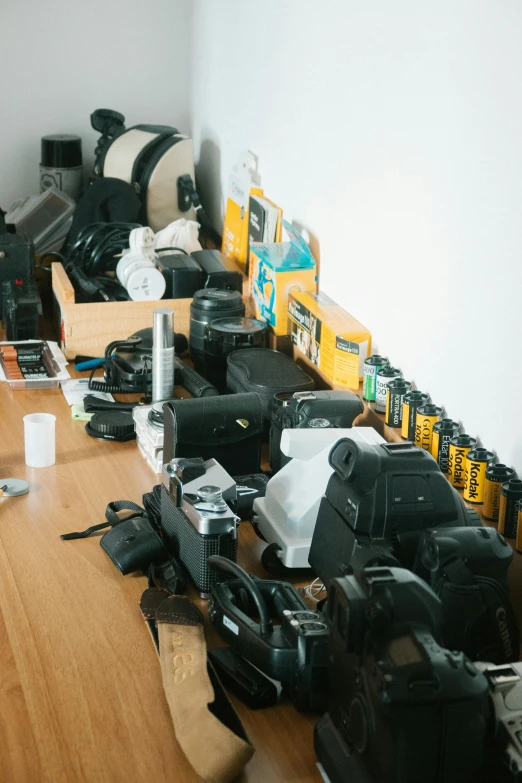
{"points": [[276, 269], [328, 339]]}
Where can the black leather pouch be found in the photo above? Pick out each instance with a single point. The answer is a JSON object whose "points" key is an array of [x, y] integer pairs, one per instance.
{"points": [[228, 429], [133, 544]]}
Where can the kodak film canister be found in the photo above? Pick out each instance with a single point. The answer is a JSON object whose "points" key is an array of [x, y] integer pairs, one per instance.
{"points": [[519, 527], [510, 494], [426, 417], [372, 365], [384, 376], [477, 462], [443, 431], [394, 397], [495, 476], [412, 401], [458, 448]]}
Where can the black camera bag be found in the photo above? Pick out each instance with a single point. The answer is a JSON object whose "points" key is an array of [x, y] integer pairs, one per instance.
{"points": [[228, 429]]}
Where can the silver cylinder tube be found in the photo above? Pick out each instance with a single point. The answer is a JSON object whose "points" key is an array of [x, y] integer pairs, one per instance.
{"points": [[163, 354]]}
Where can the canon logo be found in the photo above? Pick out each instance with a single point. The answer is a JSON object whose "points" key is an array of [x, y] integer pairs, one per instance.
{"points": [[503, 628]]}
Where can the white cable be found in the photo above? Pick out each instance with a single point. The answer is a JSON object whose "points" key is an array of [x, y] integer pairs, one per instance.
{"points": [[314, 589]]}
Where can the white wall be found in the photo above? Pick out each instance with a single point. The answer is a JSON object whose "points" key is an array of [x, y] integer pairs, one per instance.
{"points": [[61, 60], [393, 132]]}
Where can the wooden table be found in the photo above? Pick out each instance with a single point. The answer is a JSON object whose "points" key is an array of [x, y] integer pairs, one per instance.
{"points": [[81, 695]]}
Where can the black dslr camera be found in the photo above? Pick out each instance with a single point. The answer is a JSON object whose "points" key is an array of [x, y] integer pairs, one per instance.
{"points": [[391, 505], [385, 495], [314, 410], [402, 708]]}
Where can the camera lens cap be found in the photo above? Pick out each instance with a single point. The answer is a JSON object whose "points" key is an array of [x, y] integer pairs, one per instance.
{"points": [[111, 425]]}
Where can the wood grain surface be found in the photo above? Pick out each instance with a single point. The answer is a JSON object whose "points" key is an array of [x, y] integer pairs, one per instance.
{"points": [[81, 695]]}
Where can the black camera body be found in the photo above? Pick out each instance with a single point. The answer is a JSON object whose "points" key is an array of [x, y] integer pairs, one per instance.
{"points": [[294, 651], [16, 259], [402, 708], [197, 518], [381, 495], [21, 309], [315, 409]]}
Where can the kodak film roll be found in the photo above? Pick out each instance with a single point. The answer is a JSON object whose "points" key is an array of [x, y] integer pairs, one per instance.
{"points": [[412, 401], [372, 365], [394, 397], [510, 494], [384, 376], [427, 415], [477, 462], [496, 475], [458, 448], [443, 431]]}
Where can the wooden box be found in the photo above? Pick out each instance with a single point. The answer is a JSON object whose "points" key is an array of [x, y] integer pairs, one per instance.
{"points": [[87, 329]]}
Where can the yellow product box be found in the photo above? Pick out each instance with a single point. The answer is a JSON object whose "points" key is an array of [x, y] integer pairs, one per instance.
{"points": [[328, 338], [276, 269]]}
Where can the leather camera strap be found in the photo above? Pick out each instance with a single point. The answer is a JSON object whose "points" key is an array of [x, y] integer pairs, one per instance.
{"points": [[206, 725]]}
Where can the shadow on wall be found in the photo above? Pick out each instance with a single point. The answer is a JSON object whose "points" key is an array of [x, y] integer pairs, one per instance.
{"points": [[209, 185]]}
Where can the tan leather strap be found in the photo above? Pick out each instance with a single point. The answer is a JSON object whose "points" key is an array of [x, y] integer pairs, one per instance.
{"points": [[206, 725]]}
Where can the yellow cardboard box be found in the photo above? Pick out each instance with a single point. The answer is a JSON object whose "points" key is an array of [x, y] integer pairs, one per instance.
{"points": [[275, 270], [328, 338]]}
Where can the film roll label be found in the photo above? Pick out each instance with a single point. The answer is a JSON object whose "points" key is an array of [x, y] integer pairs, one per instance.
{"points": [[510, 495], [443, 431], [394, 398], [412, 401], [496, 475], [458, 448], [477, 461], [426, 417], [372, 365], [384, 376]]}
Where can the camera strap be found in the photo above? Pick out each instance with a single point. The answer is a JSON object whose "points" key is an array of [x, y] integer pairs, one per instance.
{"points": [[206, 725]]}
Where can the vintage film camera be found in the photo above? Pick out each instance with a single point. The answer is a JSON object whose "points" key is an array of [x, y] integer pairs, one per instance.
{"points": [[267, 623], [196, 516], [402, 708], [315, 410]]}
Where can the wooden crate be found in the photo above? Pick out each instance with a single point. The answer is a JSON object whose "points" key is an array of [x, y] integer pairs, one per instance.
{"points": [[87, 329]]}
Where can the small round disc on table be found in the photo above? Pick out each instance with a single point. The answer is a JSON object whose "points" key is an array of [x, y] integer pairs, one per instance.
{"points": [[14, 487]]}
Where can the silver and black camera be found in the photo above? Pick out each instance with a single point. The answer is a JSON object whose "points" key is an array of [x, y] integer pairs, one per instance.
{"points": [[196, 516]]}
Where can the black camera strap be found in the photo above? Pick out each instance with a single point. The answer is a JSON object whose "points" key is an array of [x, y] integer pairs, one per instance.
{"points": [[111, 516]]}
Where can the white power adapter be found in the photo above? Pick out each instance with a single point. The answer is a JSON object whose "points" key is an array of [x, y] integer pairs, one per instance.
{"points": [[137, 271]]}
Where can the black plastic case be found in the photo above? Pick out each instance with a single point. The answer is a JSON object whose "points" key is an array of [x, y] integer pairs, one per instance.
{"points": [[265, 372]]}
